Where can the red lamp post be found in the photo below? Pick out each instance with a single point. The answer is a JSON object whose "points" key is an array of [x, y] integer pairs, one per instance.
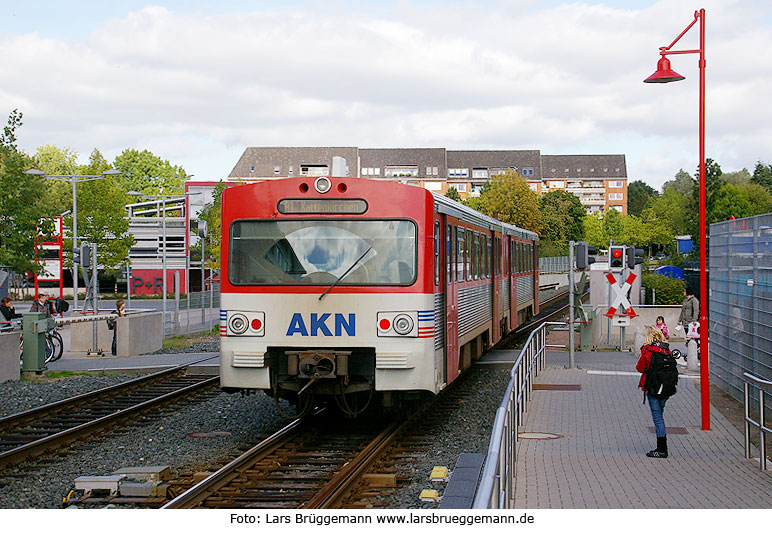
{"points": [[665, 75]]}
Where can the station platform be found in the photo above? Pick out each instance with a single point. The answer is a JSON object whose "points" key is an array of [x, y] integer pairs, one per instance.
{"points": [[81, 362], [585, 448]]}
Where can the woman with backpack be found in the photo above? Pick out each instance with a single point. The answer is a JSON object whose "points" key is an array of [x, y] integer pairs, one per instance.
{"points": [[658, 382]]}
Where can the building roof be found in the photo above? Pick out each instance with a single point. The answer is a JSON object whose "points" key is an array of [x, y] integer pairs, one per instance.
{"points": [[604, 166], [264, 160]]}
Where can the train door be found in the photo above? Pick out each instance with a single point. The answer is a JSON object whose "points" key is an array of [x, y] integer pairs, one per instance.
{"points": [[451, 301], [496, 290]]}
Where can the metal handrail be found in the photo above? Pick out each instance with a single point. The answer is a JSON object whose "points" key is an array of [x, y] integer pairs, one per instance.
{"points": [[496, 489], [763, 430]]}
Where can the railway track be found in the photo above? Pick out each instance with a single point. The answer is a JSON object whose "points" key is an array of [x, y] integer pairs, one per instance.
{"points": [[32, 433], [311, 463]]}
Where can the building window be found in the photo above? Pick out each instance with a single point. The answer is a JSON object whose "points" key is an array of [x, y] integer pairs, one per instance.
{"points": [[617, 169], [252, 168], [592, 170], [616, 184], [615, 196], [433, 186], [567, 171], [460, 187], [276, 169], [617, 207], [534, 187], [527, 172], [480, 173], [557, 184], [458, 172], [291, 169], [554, 170], [435, 171], [398, 171]]}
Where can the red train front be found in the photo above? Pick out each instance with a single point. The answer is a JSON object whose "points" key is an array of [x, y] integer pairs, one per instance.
{"points": [[346, 289]]}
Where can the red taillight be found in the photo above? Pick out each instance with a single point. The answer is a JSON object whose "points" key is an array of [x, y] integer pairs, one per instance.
{"points": [[256, 324], [384, 324]]}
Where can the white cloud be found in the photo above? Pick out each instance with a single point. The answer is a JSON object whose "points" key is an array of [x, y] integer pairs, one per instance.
{"points": [[190, 86]]}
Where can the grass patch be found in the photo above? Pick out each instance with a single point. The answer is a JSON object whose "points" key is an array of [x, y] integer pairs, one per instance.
{"points": [[60, 375], [183, 341]]}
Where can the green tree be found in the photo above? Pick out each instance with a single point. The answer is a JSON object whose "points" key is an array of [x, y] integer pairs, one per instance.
{"points": [[739, 177], [102, 214], [21, 206], [613, 224], [762, 175], [57, 161], [509, 198], [639, 194], [672, 209], [149, 174], [453, 194], [683, 183], [594, 232], [562, 218]]}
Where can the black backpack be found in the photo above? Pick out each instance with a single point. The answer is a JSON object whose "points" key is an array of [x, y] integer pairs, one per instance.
{"points": [[61, 305], [662, 374]]}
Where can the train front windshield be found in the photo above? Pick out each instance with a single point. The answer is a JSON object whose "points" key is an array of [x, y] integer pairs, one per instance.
{"points": [[320, 252]]}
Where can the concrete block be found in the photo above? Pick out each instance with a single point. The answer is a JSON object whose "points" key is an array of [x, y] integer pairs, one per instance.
{"points": [[137, 334], [9, 356], [144, 473]]}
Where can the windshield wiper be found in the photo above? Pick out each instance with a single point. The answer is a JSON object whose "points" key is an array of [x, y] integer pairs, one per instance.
{"points": [[355, 263]]}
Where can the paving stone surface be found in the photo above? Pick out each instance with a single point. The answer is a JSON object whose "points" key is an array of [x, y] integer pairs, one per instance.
{"points": [[600, 462]]}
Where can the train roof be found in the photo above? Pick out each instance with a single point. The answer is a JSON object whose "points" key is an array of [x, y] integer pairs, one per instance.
{"points": [[467, 214]]}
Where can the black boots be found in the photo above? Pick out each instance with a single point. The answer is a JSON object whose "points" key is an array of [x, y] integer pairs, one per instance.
{"points": [[661, 451]]}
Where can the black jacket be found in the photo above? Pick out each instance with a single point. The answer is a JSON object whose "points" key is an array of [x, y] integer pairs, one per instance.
{"points": [[9, 313]]}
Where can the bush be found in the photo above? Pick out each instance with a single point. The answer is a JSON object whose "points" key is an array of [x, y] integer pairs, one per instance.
{"points": [[668, 291]]}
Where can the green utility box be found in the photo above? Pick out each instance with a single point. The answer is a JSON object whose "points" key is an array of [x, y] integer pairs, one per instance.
{"points": [[34, 327]]}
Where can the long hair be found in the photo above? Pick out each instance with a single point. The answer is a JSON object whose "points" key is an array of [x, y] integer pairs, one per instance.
{"points": [[653, 334]]}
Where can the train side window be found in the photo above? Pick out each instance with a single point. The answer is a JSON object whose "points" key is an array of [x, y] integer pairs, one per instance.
{"points": [[487, 256], [520, 256], [478, 259], [468, 257], [437, 252], [460, 254], [452, 254], [473, 255]]}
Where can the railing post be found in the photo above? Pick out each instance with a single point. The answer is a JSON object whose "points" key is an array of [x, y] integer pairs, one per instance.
{"points": [[747, 423], [762, 432]]}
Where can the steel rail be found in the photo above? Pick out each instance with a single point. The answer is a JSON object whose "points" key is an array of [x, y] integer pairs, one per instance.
{"points": [[15, 418], [205, 488], [37, 447], [333, 493]]}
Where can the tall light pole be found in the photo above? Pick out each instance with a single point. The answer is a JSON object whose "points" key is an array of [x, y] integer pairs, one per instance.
{"points": [[664, 74], [75, 179]]}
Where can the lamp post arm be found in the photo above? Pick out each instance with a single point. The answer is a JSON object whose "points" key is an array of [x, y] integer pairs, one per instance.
{"points": [[665, 49]]}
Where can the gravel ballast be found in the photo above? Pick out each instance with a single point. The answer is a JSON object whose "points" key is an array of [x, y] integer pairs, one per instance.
{"points": [[164, 438]]}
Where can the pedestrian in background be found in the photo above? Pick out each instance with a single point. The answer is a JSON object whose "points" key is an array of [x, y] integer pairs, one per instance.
{"points": [[663, 327], [690, 309], [41, 305], [120, 311], [9, 311]]}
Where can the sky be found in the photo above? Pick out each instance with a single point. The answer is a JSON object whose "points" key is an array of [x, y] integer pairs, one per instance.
{"points": [[197, 82]]}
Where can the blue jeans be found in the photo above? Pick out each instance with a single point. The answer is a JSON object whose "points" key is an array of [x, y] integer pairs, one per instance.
{"points": [[657, 406]]}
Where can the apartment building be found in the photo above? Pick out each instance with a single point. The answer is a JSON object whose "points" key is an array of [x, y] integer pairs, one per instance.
{"points": [[599, 181]]}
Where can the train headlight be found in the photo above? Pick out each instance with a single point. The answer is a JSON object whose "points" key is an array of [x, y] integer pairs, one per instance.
{"points": [[238, 324], [243, 323], [403, 324], [397, 324], [322, 185]]}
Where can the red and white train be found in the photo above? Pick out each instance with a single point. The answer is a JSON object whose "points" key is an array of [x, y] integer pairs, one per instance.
{"points": [[353, 289]]}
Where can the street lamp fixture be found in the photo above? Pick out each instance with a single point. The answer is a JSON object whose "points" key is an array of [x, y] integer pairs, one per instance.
{"points": [[664, 74], [75, 179]]}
